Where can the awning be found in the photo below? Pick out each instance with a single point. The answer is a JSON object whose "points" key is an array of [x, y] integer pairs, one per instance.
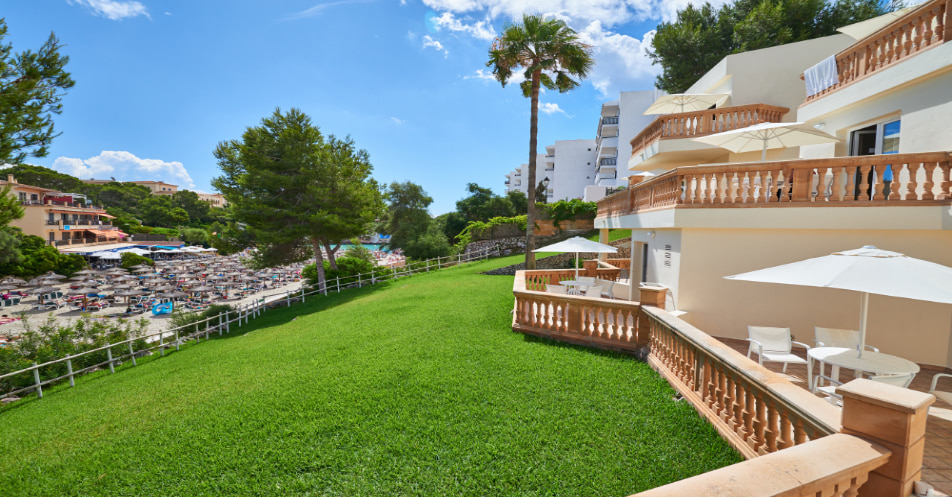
{"points": [[105, 233], [107, 215]]}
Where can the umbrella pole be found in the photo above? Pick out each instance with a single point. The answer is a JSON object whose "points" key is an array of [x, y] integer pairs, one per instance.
{"points": [[575, 263], [763, 153], [863, 310]]}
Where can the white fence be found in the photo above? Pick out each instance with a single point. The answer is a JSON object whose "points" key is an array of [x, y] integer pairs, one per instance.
{"points": [[223, 322]]}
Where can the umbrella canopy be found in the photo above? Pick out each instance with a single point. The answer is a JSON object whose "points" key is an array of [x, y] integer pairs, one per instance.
{"points": [[578, 245], [684, 102], [45, 289], [83, 291], [767, 135], [866, 270], [13, 280], [87, 271]]}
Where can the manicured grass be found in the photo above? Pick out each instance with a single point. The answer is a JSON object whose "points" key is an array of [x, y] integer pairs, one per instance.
{"points": [[417, 387]]}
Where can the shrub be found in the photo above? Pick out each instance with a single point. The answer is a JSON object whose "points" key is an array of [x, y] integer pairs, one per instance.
{"points": [[51, 341], [563, 210], [179, 319], [465, 236], [358, 251]]}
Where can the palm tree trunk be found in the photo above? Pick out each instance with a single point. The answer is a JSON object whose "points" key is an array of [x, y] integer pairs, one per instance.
{"points": [[530, 190]]}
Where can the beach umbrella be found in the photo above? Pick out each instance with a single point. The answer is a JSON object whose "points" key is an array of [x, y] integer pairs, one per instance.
{"points": [[13, 280], [865, 270], [87, 271], [45, 289], [684, 102], [8, 287], [578, 245], [83, 291], [767, 135]]}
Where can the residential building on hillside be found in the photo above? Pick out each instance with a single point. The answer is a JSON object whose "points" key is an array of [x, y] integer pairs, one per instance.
{"points": [[62, 219], [565, 168], [156, 187], [213, 199], [711, 213]]}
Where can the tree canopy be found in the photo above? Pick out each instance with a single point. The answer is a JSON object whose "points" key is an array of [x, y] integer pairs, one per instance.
{"points": [[701, 36], [31, 87], [407, 217], [550, 55], [289, 186]]}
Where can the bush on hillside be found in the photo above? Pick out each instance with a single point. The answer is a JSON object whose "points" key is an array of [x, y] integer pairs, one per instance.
{"points": [[178, 319], [347, 268], [38, 257], [52, 341], [358, 251]]}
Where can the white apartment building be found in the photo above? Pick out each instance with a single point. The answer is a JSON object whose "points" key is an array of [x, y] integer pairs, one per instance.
{"points": [[620, 118], [566, 168]]}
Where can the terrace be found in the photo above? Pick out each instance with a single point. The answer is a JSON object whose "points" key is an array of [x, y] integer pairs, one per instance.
{"points": [[769, 417]]}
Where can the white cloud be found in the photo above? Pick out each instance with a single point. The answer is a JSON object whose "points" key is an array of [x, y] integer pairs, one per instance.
{"points": [[411, 35], [428, 41], [550, 108], [481, 30], [515, 78], [398, 121], [403, 2], [622, 61], [113, 9], [125, 166]]}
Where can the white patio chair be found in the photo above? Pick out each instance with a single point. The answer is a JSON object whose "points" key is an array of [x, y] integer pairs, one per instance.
{"points": [[835, 337], [773, 345], [899, 380], [606, 287], [944, 396], [556, 289], [593, 291], [586, 280]]}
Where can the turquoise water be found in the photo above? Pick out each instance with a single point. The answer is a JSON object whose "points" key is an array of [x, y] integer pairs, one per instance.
{"points": [[368, 246]]}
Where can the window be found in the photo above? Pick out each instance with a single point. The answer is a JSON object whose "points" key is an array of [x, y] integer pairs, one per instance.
{"points": [[878, 139]]}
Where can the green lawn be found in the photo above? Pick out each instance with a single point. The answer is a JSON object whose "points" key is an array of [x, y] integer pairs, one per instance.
{"points": [[416, 387]]}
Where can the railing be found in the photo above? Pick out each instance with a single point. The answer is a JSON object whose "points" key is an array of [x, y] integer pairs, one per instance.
{"points": [[609, 120], [928, 26], [705, 122], [50, 222], [754, 409], [175, 337], [608, 161], [801, 474], [76, 205], [588, 320], [917, 179]]}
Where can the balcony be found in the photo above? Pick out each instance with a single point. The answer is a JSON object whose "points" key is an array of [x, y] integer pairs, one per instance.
{"points": [[609, 120], [924, 28], [608, 161], [919, 179], [668, 138], [52, 222]]}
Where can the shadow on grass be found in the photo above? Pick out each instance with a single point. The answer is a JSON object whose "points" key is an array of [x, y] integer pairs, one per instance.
{"points": [[611, 354]]}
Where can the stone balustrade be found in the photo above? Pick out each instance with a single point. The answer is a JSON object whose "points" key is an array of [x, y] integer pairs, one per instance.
{"points": [[916, 179], [925, 27], [705, 122], [795, 442]]}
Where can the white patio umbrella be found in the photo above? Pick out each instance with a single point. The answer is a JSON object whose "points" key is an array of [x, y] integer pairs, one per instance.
{"points": [[578, 245], [767, 135], [866, 270], [684, 102]]}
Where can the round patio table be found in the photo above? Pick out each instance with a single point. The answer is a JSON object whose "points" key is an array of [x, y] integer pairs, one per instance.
{"points": [[871, 362], [575, 287]]}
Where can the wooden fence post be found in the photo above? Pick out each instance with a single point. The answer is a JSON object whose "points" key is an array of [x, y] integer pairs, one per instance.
{"points": [[162, 344], [338, 284], [219, 325], [177, 339], [132, 354], [36, 377], [112, 368], [302, 294], [69, 370]]}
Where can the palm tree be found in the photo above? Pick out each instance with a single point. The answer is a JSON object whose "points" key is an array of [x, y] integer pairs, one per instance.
{"points": [[551, 54]]}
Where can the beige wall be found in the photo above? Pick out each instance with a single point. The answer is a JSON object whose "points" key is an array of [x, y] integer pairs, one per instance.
{"points": [[658, 254], [919, 331]]}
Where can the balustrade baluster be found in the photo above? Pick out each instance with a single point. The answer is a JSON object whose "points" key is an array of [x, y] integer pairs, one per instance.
{"points": [[918, 40], [727, 386], [773, 428], [895, 185], [786, 431], [944, 193], [799, 434], [864, 185], [821, 185], [737, 422], [927, 36], [749, 414], [880, 187], [913, 186], [928, 184], [757, 439]]}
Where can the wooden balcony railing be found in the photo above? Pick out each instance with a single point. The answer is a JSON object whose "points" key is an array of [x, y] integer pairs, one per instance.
{"points": [[917, 179], [705, 122], [928, 26]]}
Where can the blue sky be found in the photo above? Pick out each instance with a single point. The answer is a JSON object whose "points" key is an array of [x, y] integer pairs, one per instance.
{"points": [[160, 83]]}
